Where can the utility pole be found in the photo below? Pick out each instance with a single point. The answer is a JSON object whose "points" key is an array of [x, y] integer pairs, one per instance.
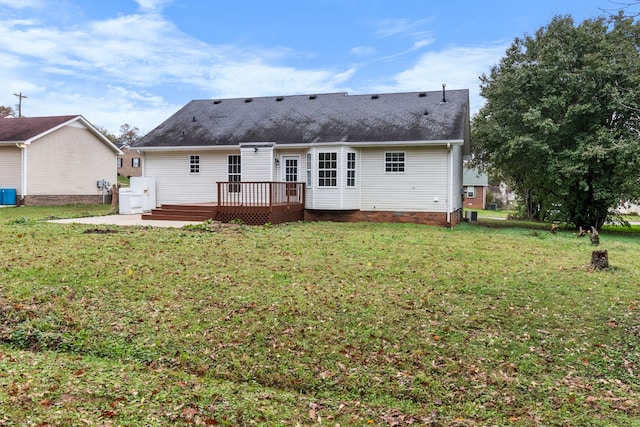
{"points": [[20, 96]]}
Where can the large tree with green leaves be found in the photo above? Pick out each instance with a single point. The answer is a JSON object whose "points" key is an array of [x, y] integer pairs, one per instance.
{"points": [[561, 118]]}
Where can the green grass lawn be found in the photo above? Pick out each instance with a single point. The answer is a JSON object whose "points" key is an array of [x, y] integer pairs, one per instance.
{"points": [[314, 324], [123, 181]]}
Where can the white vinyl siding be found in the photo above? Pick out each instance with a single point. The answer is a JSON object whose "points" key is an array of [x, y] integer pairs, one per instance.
{"points": [[10, 173], [69, 161], [174, 182], [422, 187], [257, 165]]}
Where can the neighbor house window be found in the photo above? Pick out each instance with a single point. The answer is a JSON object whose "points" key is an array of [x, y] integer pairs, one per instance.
{"points": [[120, 163], [234, 173], [351, 169], [470, 192], [327, 169], [135, 162], [194, 164], [308, 169], [394, 162]]}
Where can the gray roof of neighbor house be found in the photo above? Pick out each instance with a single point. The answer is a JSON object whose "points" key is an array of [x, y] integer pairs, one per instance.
{"points": [[24, 128], [473, 177], [333, 117]]}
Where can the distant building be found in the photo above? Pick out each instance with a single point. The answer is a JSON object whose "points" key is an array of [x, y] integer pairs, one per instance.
{"points": [[130, 162], [55, 160], [475, 186]]}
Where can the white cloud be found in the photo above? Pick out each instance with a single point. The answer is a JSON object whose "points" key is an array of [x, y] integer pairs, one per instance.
{"points": [[457, 67], [363, 51], [109, 109], [105, 69], [258, 79], [22, 4], [152, 5], [401, 27], [111, 71]]}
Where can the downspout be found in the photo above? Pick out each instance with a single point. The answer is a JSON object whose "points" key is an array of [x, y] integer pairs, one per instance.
{"points": [[450, 185], [23, 170]]}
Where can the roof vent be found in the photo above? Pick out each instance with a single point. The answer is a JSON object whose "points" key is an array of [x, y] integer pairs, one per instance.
{"points": [[313, 96], [193, 119], [280, 98], [248, 100], [422, 94], [375, 96], [426, 112], [217, 101]]}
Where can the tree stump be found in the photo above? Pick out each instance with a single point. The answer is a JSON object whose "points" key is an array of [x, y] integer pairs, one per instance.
{"points": [[599, 260], [115, 191]]}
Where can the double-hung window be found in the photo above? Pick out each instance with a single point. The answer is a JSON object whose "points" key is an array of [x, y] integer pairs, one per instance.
{"points": [[351, 169], [194, 164], [394, 161], [234, 173], [470, 192], [327, 169]]}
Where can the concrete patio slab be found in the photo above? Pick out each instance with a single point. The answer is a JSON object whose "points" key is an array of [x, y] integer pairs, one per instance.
{"points": [[124, 220]]}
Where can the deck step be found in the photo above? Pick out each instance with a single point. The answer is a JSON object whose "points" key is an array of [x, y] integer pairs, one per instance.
{"points": [[182, 213], [160, 217]]}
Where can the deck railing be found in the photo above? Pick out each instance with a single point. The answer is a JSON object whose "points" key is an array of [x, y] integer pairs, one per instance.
{"points": [[260, 194]]}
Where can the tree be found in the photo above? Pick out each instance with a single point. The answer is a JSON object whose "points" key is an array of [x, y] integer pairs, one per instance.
{"points": [[561, 118], [5, 111], [128, 135], [111, 137]]}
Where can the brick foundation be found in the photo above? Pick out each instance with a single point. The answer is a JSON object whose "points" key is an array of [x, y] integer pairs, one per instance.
{"points": [[428, 218], [64, 200]]}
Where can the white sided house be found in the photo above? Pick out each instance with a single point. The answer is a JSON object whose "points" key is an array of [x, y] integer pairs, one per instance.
{"points": [[55, 160], [393, 157]]}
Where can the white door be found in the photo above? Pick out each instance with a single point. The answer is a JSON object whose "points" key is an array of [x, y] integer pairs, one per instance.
{"points": [[290, 172]]}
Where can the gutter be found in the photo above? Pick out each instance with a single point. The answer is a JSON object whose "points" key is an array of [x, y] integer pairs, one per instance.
{"points": [[306, 145], [450, 185]]}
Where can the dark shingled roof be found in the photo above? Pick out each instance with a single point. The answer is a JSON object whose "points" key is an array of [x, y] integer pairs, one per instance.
{"points": [[25, 128], [334, 117]]}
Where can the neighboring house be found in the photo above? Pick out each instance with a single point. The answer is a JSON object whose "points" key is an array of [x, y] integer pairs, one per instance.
{"points": [[56, 160], [388, 157], [504, 197], [130, 162], [476, 185]]}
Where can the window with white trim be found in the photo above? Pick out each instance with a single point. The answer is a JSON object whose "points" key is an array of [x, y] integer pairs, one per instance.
{"points": [[194, 163], [120, 162], [234, 172], [135, 162], [327, 169], [351, 169], [309, 170], [394, 161], [470, 192]]}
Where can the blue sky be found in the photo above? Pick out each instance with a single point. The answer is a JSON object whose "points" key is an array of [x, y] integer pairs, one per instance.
{"points": [[137, 62]]}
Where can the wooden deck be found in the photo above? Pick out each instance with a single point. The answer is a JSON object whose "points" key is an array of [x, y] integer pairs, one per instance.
{"points": [[251, 203]]}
